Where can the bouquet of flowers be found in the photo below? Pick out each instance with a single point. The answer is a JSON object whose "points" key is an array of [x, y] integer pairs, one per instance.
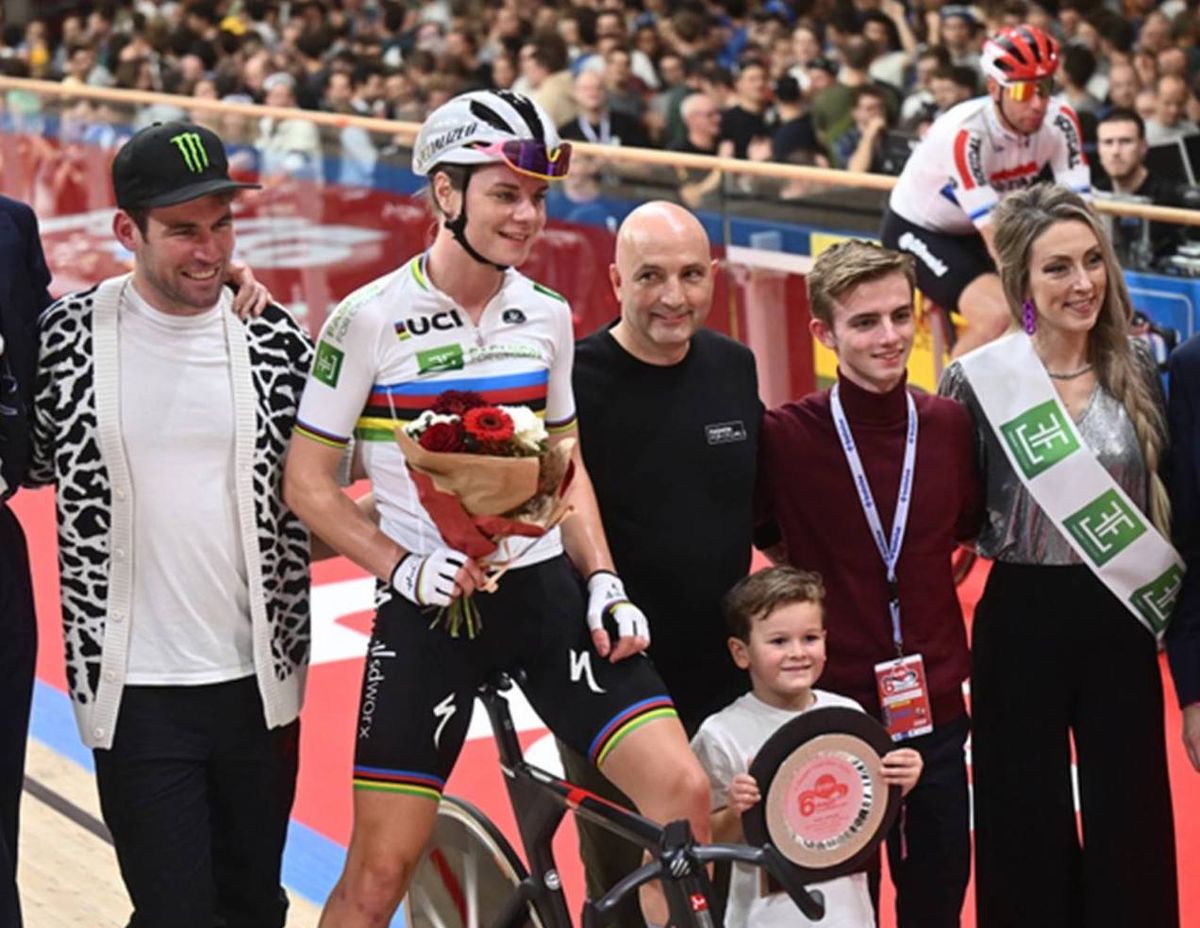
{"points": [[484, 473]]}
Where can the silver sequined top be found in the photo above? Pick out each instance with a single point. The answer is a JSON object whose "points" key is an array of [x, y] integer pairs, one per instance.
{"points": [[1016, 529]]}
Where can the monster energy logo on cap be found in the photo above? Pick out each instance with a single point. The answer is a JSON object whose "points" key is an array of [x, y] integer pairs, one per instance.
{"points": [[191, 147], [170, 163]]}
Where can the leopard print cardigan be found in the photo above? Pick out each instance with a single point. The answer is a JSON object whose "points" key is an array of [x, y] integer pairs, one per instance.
{"points": [[78, 448]]}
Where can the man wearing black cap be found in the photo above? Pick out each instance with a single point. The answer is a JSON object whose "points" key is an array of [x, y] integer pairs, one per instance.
{"points": [[162, 419]]}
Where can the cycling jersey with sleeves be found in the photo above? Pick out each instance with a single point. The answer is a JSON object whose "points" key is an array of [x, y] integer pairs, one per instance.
{"points": [[389, 350], [971, 160]]}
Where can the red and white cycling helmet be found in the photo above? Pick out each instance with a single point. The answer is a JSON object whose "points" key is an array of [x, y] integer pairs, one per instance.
{"points": [[1020, 54]]}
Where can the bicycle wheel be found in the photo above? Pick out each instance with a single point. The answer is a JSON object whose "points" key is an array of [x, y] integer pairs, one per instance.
{"points": [[467, 873]]}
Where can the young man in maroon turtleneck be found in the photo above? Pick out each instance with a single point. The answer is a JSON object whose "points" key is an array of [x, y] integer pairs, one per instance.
{"points": [[812, 515]]}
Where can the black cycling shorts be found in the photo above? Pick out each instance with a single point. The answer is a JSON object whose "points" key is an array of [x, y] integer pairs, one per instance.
{"points": [[945, 263], [419, 683]]}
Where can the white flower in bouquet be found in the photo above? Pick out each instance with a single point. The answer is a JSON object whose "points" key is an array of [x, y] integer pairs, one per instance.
{"points": [[529, 432], [425, 420]]}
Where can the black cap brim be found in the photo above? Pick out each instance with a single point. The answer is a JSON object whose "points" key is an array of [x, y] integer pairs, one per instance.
{"points": [[191, 192]]}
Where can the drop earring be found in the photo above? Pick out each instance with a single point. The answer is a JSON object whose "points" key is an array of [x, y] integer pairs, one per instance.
{"points": [[1028, 317]]}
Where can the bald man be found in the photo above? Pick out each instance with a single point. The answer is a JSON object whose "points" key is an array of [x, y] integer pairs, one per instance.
{"points": [[668, 423], [596, 122]]}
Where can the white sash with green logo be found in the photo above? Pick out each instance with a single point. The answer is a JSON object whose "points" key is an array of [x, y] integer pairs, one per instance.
{"points": [[1071, 486]]}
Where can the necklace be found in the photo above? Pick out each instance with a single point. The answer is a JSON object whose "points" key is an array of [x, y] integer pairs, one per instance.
{"points": [[1070, 375]]}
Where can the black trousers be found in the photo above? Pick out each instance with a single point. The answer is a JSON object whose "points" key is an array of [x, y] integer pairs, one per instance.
{"points": [[1058, 658], [18, 654], [197, 792], [929, 848]]}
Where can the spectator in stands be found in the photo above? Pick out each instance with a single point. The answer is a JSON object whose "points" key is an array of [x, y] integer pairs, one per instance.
{"points": [[288, 147], [1173, 60], [626, 92], [951, 85], [895, 45], [1123, 87], [1155, 33], [959, 33], [1121, 145], [83, 70], [795, 134], [861, 148], [831, 107], [545, 76], [1078, 67], [1146, 103], [920, 104], [806, 48], [751, 117], [611, 32], [702, 122], [504, 71], [596, 122], [821, 74], [355, 152], [1170, 120]]}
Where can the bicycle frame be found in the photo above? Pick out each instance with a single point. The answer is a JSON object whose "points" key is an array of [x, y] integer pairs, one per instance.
{"points": [[541, 800]]}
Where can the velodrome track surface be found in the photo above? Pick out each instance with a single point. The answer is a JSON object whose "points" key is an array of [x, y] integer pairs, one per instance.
{"points": [[321, 819]]}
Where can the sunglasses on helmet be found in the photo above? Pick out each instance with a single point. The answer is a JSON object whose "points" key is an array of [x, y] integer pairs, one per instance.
{"points": [[531, 157], [1025, 90]]}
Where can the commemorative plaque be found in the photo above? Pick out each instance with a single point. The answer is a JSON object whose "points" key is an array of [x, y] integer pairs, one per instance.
{"points": [[825, 806]]}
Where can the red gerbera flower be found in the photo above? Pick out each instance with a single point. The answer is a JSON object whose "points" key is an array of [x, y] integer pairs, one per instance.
{"points": [[488, 425], [457, 402]]}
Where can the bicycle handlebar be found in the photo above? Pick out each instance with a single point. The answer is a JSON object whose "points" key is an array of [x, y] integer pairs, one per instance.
{"points": [[597, 914]]}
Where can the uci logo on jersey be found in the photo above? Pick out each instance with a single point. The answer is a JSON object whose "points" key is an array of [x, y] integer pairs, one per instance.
{"points": [[422, 325]]}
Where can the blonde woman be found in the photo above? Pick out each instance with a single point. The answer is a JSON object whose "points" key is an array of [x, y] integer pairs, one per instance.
{"points": [[1060, 655]]}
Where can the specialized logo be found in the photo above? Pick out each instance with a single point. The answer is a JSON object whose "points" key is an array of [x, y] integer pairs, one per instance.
{"points": [[513, 316], [1039, 438], [444, 711], [724, 433], [581, 666], [423, 325], [191, 148], [446, 358], [1105, 527], [1155, 601], [327, 367], [446, 139]]}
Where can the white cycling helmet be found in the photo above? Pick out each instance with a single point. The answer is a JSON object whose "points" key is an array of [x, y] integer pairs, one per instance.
{"points": [[489, 127]]}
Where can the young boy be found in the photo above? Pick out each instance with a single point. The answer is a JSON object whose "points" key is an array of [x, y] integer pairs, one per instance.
{"points": [[777, 627]]}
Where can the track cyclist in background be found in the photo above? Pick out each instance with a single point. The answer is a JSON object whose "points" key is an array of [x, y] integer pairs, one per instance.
{"points": [[459, 317], [972, 156]]}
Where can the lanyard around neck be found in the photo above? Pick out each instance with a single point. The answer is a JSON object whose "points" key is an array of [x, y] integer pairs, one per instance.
{"points": [[888, 545]]}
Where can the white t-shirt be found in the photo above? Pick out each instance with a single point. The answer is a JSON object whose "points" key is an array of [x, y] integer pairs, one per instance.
{"points": [[389, 350], [725, 744], [190, 619]]}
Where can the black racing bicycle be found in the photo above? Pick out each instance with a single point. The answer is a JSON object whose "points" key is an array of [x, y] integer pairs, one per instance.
{"points": [[471, 877]]}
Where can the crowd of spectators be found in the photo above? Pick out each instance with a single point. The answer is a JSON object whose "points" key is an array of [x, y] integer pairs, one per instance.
{"points": [[841, 83]]}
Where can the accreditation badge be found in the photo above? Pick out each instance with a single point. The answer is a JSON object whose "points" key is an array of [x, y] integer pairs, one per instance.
{"points": [[825, 805], [904, 697]]}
